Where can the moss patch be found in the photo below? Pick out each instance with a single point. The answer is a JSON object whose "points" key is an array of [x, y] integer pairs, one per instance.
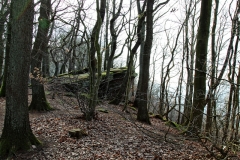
{"points": [[176, 125], [132, 108], [43, 106], [158, 116], [8, 147]]}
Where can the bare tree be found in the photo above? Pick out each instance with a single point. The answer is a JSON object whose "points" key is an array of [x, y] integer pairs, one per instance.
{"points": [[95, 64], [212, 102], [200, 65], [190, 54], [142, 114], [231, 74]]}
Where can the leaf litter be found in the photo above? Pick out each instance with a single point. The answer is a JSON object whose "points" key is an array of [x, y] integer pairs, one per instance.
{"points": [[114, 135]]}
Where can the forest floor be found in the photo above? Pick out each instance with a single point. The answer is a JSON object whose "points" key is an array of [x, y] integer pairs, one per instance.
{"points": [[113, 135]]}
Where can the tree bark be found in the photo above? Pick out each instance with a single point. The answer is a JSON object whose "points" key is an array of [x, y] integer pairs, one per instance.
{"points": [[39, 101], [231, 77], [46, 65], [2, 22], [106, 37], [95, 64], [142, 114], [3, 87], [236, 107], [200, 66], [211, 102], [143, 30], [17, 133], [3, 18]]}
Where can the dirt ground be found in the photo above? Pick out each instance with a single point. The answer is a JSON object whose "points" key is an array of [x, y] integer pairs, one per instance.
{"points": [[113, 135]]}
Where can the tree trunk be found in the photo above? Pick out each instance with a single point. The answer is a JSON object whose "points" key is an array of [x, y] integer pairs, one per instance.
{"points": [[3, 87], [213, 73], [95, 64], [200, 66], [55, 61], [46, 64], [2, 22], [236, 99], [39, 101], [4, 12], [142, 114], [232, 73], [106, 37], [17, 133], [140, 11], [187, 102]]}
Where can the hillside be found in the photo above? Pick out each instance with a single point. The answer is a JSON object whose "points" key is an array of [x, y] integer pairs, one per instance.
{"points": [[113, 135]]}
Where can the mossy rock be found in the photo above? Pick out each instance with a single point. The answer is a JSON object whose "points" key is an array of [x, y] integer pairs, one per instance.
{"points": [[123, 68], [69, 94], [83, 71], [78, 133], [115, 70], [83, 76], [158, 116], [105, 73], [151, 114], [48, 92], [63, 74], [75, 77], [133, 108]]}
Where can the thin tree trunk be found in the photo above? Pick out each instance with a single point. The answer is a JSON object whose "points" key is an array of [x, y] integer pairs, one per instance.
{"points": [[2, 22], [95, 65], [140, 58], [129, 32], [208, 128], [189, 58], [232, 73], [106, 37], [236, 105], [180, 85]]}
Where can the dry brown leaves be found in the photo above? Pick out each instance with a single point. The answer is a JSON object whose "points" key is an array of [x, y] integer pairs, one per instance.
{"points": [[111, 136]]}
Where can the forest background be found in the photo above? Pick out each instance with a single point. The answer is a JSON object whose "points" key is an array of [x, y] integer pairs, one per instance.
{"points": [[185, 53]]}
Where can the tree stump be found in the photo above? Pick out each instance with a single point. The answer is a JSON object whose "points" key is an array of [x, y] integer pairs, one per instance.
{"points": [[77, 133]]}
